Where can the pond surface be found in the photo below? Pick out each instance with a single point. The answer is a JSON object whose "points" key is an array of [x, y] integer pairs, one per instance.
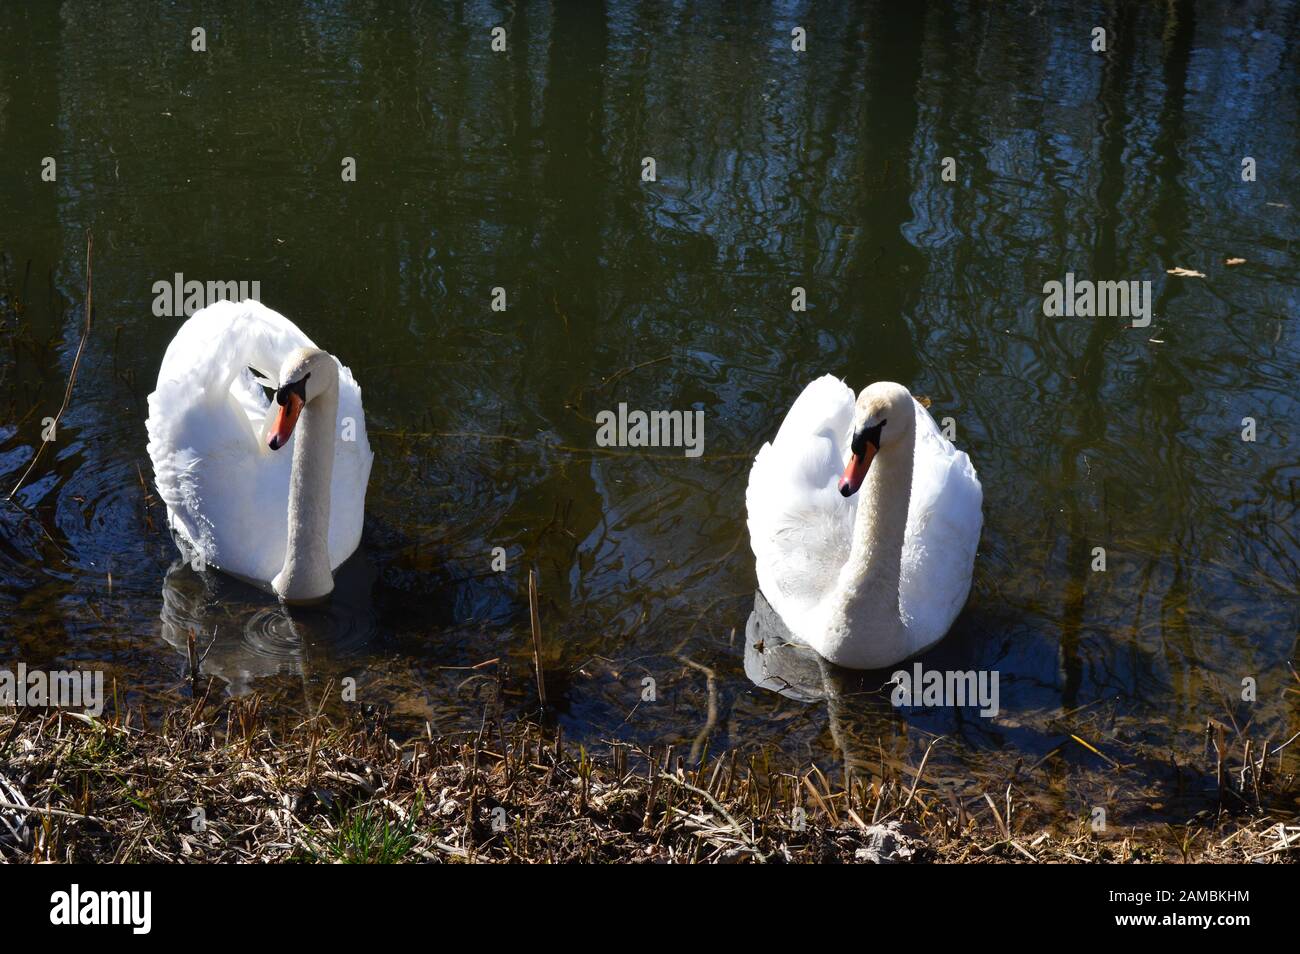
{"points": [[523, 170]]}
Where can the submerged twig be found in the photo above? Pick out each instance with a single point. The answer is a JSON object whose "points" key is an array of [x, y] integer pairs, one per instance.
{"points": [[72, 377]]}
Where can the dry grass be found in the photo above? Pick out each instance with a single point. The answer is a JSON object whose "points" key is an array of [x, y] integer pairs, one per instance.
{"points": [[219, 782]]}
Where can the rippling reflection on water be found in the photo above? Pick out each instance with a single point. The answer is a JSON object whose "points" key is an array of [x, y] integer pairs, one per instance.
{"points": [[522, 170], [240, 635]]}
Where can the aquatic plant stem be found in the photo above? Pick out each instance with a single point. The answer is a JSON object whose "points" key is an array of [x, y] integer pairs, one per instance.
{"points": [[76, 363], [536, 622]]}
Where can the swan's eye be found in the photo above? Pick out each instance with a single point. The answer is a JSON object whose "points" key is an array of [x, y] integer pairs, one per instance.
{"points": [[860, 439], [298, 387]]}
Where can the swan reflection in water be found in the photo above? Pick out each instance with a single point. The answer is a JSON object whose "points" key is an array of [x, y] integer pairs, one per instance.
{"points": [[858, 707], [242, 634]]}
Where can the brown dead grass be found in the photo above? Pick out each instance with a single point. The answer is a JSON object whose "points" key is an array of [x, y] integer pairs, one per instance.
{"points": [[219, 783]]}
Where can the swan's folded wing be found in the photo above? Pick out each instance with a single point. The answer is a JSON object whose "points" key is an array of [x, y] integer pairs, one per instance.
{"points": [[943, 529], [226, 338], [799, 525], [226, 499]]}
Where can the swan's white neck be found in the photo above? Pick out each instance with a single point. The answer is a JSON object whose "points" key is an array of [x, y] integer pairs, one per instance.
{"points": [[306, 574], [864, 628]]}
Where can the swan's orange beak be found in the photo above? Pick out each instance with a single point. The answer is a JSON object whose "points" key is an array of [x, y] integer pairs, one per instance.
{"points": [[856, 472], [285, 420]]}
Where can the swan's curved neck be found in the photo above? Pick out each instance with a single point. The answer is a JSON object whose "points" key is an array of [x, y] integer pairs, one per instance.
{"points": [[306, 574], [865, 626]]}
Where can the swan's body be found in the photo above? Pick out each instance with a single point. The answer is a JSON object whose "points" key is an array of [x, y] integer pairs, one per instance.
{"points": [[865, 578], [282, 518]]}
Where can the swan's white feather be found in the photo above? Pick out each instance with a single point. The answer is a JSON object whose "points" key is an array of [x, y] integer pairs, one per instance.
{"points": [[944, 519], [226, 491], [799, 525], [801, 528]]}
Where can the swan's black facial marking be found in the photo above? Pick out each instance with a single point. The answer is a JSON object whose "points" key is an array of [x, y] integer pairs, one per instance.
{"points": [[860, 439], [298, 387]]}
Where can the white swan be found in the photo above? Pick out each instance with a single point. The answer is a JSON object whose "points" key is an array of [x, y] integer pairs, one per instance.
{"points": [[865, 579], [278, 519]]}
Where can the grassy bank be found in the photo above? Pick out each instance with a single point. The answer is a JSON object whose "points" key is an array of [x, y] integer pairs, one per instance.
{"points": [[229, 785]]}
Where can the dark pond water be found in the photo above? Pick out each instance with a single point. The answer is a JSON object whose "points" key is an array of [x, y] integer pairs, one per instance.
{"points": [[820, 169]]}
